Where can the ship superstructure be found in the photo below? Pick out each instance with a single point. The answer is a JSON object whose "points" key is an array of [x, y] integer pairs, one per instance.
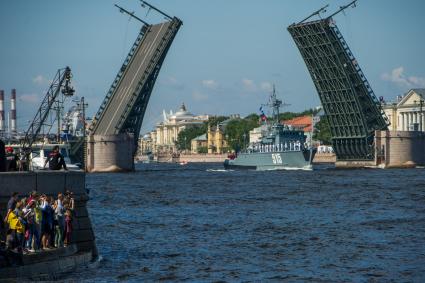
{"points": [[280, 147]]}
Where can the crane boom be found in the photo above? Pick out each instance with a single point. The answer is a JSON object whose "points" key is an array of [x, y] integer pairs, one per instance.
{"points": [[61, 81]]}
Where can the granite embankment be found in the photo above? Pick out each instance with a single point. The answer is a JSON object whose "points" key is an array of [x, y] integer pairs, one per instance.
{"points": [[324, 158], [49, 265]]}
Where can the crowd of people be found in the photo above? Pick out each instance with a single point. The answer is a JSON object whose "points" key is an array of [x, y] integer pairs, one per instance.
{"points": [[38, 222]]}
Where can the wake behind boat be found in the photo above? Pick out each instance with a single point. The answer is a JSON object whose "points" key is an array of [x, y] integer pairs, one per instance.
{"points": [[281, 147]]}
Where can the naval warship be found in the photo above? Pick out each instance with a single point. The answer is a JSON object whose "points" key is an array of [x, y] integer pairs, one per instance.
{"points": [[280, 147]]}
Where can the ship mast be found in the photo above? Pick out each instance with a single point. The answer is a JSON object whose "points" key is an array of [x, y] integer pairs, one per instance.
{"points": [[275, 104]]}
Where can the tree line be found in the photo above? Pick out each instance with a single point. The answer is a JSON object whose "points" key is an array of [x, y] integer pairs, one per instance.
{"points": [[237, 130]]}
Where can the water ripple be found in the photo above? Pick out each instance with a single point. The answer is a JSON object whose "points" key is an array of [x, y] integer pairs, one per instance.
{"points": [[171, 223]]}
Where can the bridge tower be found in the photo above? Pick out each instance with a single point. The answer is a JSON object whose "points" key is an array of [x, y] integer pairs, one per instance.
{"points": [[350, 105], [114, 132]]}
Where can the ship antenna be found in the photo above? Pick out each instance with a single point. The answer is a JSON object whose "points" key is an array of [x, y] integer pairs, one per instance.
{"points": [[275, 104]]}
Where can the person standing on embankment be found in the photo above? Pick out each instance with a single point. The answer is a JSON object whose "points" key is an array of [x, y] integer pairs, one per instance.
{"points": [[56, 160], [2, 157], [12, 159]]}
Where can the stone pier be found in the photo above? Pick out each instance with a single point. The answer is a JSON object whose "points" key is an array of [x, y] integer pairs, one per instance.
{"points": [[48, 265], [393, 149], [399, 149], [110, 153]]}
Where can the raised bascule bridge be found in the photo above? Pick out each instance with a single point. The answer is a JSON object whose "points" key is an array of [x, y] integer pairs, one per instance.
{"points": [[350, 105], [113, 134], [358, 124]]}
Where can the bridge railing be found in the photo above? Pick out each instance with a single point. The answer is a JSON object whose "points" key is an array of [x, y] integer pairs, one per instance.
{"points": [[359, 70], [118, 77], [150, 69]]}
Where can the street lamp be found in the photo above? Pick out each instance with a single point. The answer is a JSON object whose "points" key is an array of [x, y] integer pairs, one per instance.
{"points": [[82, 107], [421, 104]]}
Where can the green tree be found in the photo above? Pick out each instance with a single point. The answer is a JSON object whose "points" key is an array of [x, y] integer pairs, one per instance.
{"points": [[237, 131], [252, 117], [185, 136], [322, 131], [214, 120]]}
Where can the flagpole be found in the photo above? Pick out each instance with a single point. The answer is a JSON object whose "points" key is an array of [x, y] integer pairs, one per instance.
{"points": [[311, 138]]}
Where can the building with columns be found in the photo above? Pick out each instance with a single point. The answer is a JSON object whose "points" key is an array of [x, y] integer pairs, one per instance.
{"points": [[145, 144], [407, 113], [165, 135]]}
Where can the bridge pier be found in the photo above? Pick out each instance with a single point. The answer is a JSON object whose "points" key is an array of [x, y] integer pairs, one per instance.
{"points": [[393, 149], [110, 153], [399, 149]]}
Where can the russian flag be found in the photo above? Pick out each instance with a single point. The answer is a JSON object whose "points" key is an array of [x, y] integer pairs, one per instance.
{"points": [[263, 116]]}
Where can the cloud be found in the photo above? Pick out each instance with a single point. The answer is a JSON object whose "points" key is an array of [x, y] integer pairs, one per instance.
{"points": [[199, 96], [212, 84], [249, 85], [398, 77], [417, 81], [29, 98], [173, 83], [40, 80], [266, 86]]}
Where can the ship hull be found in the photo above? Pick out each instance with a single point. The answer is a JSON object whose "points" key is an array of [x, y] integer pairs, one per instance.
{"points": [[293, 160]]}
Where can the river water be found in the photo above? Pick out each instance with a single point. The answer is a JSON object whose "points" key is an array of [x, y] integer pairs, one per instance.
{"points": [[198, 223]]}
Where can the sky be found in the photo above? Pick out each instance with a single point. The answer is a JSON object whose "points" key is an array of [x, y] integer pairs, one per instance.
{"points": [[224, 59]]}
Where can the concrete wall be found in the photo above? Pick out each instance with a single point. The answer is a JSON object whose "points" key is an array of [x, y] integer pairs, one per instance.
{"points": [[400, 148], [324, 158], [51, 183], [46, 270], [209, 157], [354, 164], [111, 153], [203, 157], [167, 157]]}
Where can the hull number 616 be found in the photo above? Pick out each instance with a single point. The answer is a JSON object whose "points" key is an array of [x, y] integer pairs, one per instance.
{"points": [[276, 158]]}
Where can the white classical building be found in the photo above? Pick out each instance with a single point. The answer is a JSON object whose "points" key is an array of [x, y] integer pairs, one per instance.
{"points": [[166, 133], [256, 134], [407, 113]]}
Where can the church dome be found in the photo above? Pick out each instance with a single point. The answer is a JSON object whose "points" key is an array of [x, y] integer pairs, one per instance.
{"points": [[182, 114]]}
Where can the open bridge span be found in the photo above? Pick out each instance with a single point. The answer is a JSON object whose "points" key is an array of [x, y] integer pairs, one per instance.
{"points": [[115, 128], [350, 105]]}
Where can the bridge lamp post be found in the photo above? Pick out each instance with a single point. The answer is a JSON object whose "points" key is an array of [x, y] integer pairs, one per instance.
{"points": [[421, 104], [82, 107]]}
